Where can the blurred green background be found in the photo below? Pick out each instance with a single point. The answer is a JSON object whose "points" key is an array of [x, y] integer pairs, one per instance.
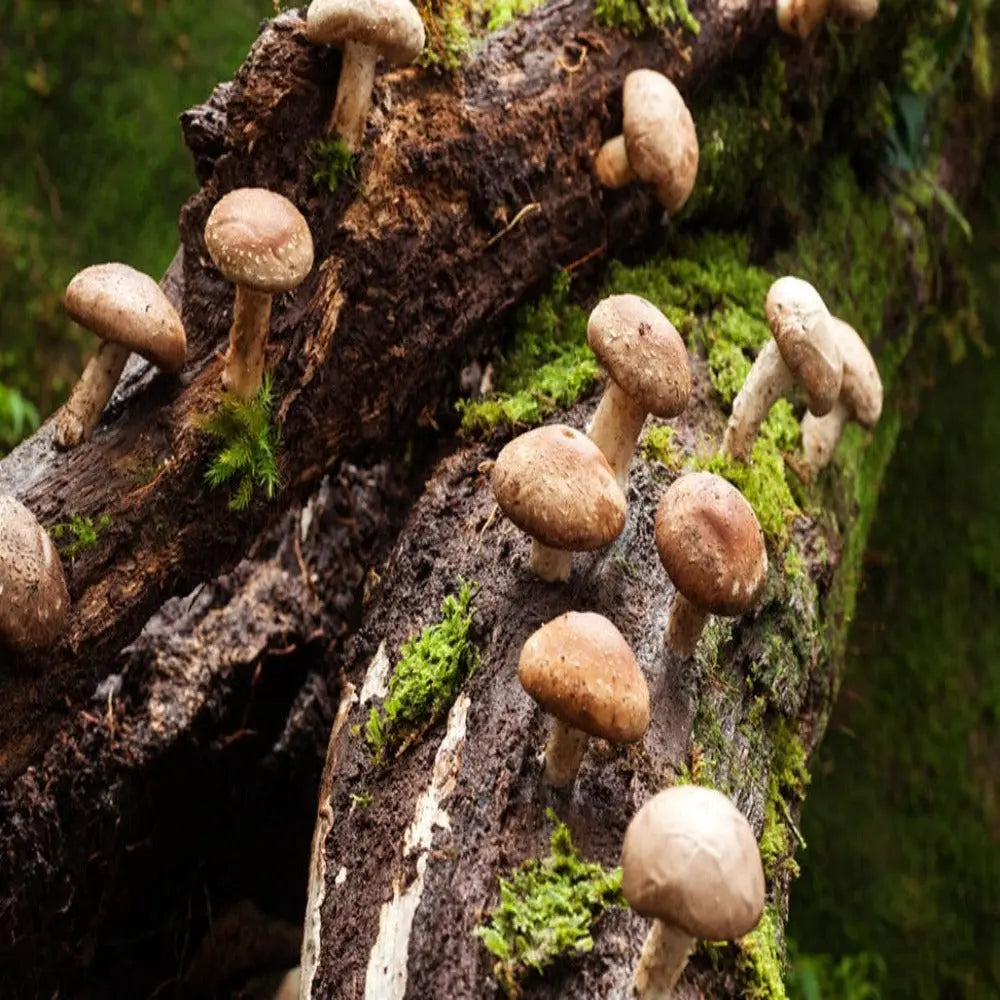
{"points": [[900, 892]]}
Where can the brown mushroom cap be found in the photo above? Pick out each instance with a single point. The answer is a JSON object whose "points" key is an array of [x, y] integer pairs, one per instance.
{"points": [[691, 860], [861, 391], [555, 484], [801, 327], [711, 544], [642, 352], [127, 307], [580, 669], [33, 597], [259, 239], [660, 137], [393, 27]]}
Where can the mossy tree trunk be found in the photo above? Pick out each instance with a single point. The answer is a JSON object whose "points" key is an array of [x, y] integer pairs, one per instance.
{"points": [[199, 741]]}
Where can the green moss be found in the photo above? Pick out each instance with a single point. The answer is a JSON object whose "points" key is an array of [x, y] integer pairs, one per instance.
{"points": [[503, 12], [80, 534], [760, 963], [658, 446], [636, 17], [333, 163], [547, 910], [431, 670], [786, 781], [248, 444], [449, 33]]}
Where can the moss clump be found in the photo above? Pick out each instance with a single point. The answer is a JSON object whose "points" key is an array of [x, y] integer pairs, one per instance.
{"points": [[760, 962], [431, 669], [548, 907], [81, 533], [449, 34], [333, 163], [247, 458], [787, 779], [658, 446], [503, 12], [636, 17]]}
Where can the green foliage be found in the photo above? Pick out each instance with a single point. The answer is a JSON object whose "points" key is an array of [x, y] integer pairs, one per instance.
{"points": [[427, 678], [761, 958], [504, 12], [81, 533], [18, 418], [247, 456], [658, 445], [636, 17], [821, 977], [333, 163], [547, 909]]}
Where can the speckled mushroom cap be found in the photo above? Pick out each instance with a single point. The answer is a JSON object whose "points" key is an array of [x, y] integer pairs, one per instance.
{"points": [[33, 597], [259, 239], [580, 669], [393, 27], [555, 484], [127, 307], [710, 544], [660, 138], [691, 860], [861, 391], [801, 327], [642, 352]]}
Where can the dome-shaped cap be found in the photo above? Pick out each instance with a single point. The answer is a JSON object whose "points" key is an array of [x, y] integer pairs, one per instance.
{"points": [[861, 391], [642, 352], [259, 239], [710, 544], [393, 27], [801, 327], [690, 859], [660, 137], [555, 484], [34, 601], [580, 669], [127, 307]]}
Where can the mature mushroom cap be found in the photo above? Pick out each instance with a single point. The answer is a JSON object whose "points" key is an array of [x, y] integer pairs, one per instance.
{"points": [[801, 327], [643, 353], [34, 601], [555, 484], [393, 27], [711, 545], [861, 391], [580, 669], [127, 307], [259, 239], [660, 137], [691, 860], [800, 17]]}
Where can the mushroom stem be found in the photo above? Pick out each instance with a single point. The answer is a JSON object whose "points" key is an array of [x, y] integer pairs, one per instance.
{"points": [[615, 429], [664, 956], [612, 165], [821, 434], [553, 565], [685, 626], [769, 380], [563, 754], [81, 412], [354, 93], [244, 369]]}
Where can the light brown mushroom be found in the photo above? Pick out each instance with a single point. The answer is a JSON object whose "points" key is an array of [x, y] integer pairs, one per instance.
{"points": [[658, 144], [855, 10], [803, 349], [130, 313], [690, 863], [581, 671], [711, 545], [34, 601], [650, 373], [365, 29], [554, 483], [259, 241], [801, 17], [860, 399]]}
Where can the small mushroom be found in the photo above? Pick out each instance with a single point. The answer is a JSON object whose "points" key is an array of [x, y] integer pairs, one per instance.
{"points": [[800, 17], [129, 312], [712, 548], [34, 601], [555, 484], [860, 399], [260, 241], [803, 350], [855, 10], [690, 863], [580, 669], [658, 144], [365, 29], [650, 373]]}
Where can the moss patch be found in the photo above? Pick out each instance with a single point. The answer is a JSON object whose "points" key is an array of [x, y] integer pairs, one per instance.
{"points": [[636, 17], [333, 163], [547, 910], [658, 446], [761, 960], [431, 670], [78, 534]]}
